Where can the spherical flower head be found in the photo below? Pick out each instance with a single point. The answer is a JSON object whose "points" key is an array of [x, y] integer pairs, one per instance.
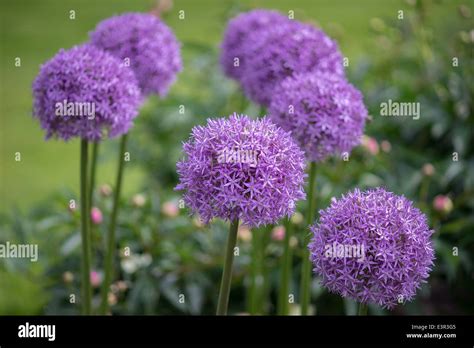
{"points": [[145, 43], [286, 50], [241, 30], [323, 112], [239, 168], [83, 91], [372, 246]]}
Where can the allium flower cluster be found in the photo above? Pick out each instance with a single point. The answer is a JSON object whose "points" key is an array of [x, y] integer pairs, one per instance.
{"points": [[84, 91], [323, 112], [147, 44], [239, 168], [241, 32], [394, 237], [286, 50]]}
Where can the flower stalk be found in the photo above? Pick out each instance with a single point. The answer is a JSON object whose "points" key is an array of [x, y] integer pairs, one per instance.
{"points": [[110, 242], [224, 291], [285, 274], [306, 269], [85, 232]]}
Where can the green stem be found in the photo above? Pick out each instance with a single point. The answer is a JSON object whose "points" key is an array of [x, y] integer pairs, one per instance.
{"points": [[109, 257], [363, 309], [85, 235], [95, 150], [306, 269], [252, 295], [257, 282], [424, 189], [264, 286], [224, 291], [285, 274]]}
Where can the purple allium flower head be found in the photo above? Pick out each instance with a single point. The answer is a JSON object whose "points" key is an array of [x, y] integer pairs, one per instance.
{"points": [[395, 252], [323, 112], [83, 91], [241, 31], [241, 168], [150, 46], [283, 51]]}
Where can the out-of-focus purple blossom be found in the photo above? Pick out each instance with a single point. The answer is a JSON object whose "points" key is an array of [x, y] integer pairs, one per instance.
{"points": [[83, 91], [323, 112], [238, 168], [240, 32], [147, 44], [395, 252], [283, 51]]}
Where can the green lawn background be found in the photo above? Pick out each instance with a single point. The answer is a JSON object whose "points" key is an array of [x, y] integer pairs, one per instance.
{"points": [[36, 30]]}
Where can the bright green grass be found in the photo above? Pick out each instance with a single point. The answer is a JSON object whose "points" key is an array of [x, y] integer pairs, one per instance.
{"points": [[35, 30]]}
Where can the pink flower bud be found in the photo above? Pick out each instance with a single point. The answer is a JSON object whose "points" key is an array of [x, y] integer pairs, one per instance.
{"points": [[370, 144], [443, 204], [297, 218], [138, 200], [170, 209], [95, 278], [244, 234], [278, 233], [68, 277], [111, 299], [428, 169], [386, 146], [105, 190], [96, 216]]}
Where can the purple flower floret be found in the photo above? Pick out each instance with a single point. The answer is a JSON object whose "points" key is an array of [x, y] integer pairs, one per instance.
{"points": [[240, 33], [286, 50], [395, 252], [150, 46], [241, 168], [83, 91], [324, 113]]}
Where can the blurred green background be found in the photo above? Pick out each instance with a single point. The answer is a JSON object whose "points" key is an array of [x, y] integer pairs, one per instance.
{"points": [[36, 30], [407, 59]]}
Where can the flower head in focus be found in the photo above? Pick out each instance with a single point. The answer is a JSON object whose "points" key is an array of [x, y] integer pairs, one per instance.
{"points": [[394, 237], [239, 168]]}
